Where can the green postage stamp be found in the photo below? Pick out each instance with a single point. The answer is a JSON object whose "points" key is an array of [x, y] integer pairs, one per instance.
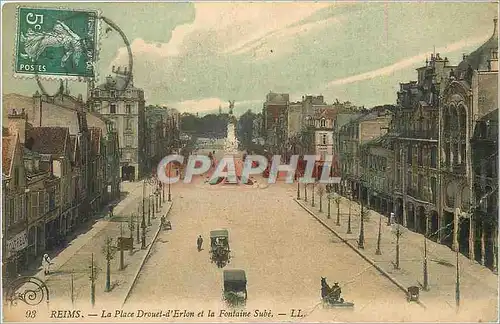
{"points": [[56, 42]]}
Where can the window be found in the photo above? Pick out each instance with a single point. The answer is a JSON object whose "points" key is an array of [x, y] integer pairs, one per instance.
{"points": [[97, 106], [16, 176], [323, 139], [128, 123], [112, 93], [433, 157], [420, 184], [128, 141], [128, 93], [323, 122], [10, 211], [97, 94], [433, 189], [34, 204], [112, 108], [420, 155], [46, 202], [128, 109], [409, 155]]}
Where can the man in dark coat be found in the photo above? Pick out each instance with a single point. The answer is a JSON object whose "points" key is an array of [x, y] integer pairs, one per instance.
{"points": [[199, 242]]}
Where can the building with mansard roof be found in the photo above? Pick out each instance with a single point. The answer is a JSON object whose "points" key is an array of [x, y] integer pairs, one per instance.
{"points": [[123, 103], [468, 204]]}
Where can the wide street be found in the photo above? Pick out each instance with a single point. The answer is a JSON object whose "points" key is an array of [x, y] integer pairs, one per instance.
{"points": [[283, 250]]}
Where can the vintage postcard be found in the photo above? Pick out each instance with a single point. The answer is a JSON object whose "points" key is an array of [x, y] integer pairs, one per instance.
{"points": [[249, 162]]}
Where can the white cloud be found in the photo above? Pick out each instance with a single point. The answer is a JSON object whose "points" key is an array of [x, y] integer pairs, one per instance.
{"points": [[233, 28], [406, 63], [281, 41]]}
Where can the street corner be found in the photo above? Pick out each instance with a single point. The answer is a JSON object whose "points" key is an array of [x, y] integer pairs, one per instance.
{"points": [[55, 43]]}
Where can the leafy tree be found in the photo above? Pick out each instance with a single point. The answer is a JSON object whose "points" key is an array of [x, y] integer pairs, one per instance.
{"points": [[245, 129]]}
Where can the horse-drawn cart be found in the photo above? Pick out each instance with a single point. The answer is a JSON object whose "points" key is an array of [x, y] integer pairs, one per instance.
{"points": [[331, 295], [235, 287], [219, 247]]}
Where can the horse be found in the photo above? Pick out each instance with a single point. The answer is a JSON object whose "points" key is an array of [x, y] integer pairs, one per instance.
{"points": [[325, 289]]}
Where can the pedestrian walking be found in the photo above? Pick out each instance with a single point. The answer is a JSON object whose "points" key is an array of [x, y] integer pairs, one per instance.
{"points": [[392, 218], [199, 242], [46, 262]]}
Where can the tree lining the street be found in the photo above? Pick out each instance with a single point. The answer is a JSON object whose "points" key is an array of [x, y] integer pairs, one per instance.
{"points": [[211, 125]]}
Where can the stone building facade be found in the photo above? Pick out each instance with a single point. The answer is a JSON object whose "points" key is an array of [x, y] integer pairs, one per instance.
{"points": [[369, 126], [378, 173], [415, 127], [14, 231], [469, 99], [65, 171], [123, 103], [274, 112]]}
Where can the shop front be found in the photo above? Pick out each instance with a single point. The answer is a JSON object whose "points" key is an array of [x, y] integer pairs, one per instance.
{"points": [[15, 254]]}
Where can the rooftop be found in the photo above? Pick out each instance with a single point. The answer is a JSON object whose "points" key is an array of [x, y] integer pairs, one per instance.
{"points": [[8, 145], [47, 140]]}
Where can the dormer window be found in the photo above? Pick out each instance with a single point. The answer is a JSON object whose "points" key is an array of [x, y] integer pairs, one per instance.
{"points": [[37, 165], [97, 94], [112, 93], [323, 122]]}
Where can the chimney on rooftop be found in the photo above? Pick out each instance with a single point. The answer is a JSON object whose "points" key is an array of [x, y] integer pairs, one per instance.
{"points": [[113, 69], [17, 123]]}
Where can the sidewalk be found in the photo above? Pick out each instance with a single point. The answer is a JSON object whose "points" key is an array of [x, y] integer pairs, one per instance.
{"points": [[478, 285], [72, 266]]}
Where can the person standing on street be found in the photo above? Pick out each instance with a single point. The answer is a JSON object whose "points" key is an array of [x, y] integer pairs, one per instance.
{"points": [[46, 262], [199, 242]]}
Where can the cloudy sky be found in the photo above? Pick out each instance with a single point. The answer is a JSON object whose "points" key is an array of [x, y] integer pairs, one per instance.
{"points": [[197, 56]]}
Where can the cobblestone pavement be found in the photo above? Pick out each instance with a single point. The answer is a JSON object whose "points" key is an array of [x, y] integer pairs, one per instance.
{"points": [[283, 251], [73, 263], [478, 285]]}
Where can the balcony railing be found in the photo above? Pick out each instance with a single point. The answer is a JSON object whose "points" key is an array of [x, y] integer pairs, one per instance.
{"points": [[420, 134]]}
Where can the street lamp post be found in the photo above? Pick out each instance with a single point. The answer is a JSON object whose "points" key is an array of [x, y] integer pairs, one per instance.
{"points": [[156, 198], [305, 192], [298, 189], [361, 239], [153, 199], [312, 199], [149, 209], [349, 218], [170, 174], [329, 206], [143, 223], [398, 234], [457, 284], [426, 271], [379, 237]]}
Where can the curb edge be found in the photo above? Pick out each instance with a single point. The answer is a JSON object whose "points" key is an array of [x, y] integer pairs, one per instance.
{"points": [[361, 254]]}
